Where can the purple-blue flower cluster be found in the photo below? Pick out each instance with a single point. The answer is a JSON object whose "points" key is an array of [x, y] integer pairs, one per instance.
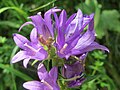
{"points": [[72, 38], [47, 80]]}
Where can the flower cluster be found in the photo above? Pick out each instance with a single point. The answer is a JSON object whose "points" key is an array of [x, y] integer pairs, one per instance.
{"points": [[71, 38]]}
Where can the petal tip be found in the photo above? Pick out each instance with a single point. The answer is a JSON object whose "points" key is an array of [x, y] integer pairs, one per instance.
{"points": [[40, 66], [12, 61], [14, 34]]}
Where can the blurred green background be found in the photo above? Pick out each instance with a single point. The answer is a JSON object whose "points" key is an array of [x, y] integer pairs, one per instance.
{"points": [[102, 69]]}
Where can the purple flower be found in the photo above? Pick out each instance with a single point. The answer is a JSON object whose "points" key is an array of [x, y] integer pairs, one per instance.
{"points": [[44, 26], [73, 72], [47, 80], [71, 37], [30, 49]]}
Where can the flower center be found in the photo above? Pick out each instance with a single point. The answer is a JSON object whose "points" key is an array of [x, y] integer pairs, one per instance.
{"points": [[47, 42]]}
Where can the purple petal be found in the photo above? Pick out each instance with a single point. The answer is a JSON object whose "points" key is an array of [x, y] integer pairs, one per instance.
{"points": [[70, 19], [93, 46], [67, 56], [33, 85], [20, 40], [85, 40], [40, 54], [41, 26], [86, 21], [19, 56], [75, 25], [76, 83], [70, 71], [46, 32], [79, 18], [38, 22], [91, 24], [71, 44], [54, 73], [27, 23], [62, 19], [33, 36], [83, 56], [42, 71], [25, 62], [47, 17], [56, 21], [60, 38]]}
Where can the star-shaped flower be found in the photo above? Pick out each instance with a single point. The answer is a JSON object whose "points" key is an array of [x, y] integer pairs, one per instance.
{"points": [[44, 26], [72, 39], [73, 73], [30, 49], [47, 80]]}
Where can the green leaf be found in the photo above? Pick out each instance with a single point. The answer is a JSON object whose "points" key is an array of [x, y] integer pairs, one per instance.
{"points": [[100, 31], [9, 23], [16, 72], [14, 51], [16, 9], [97, 15], [85, 8], [34, 62], [90, 78], [4, 9], [43, 6], [99, 55], [3, 39], [109, 20]]}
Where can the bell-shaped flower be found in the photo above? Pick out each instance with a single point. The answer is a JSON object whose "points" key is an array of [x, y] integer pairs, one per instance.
{"points": [[47, 80], [44, 26], [30, 49], [74, 73], [72, 39]]}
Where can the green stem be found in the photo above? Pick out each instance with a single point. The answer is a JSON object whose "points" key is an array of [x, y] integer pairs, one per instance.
{"points": [[71, 79], [48, 61], [94, 71], [14, 83], [13, 79], [16, 72], [43, 6]]}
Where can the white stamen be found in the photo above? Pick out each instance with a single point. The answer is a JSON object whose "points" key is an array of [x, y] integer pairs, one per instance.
{"points": [[41, 36], [64, 47], [46, 83], [34, 50], [40, 66]]}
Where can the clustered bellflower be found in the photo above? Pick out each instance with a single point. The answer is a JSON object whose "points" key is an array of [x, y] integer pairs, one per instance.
{"points": [[30, 49], [47, 80], [71, 38]]}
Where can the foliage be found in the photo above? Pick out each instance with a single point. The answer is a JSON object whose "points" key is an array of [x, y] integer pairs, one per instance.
{"points": [[103, 70]]}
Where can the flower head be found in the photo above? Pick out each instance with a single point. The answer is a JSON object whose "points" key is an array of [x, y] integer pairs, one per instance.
{"points": [[65, 39], [74, 74], [71, 37], [44, 26], [47, 80], [30, 49]]}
